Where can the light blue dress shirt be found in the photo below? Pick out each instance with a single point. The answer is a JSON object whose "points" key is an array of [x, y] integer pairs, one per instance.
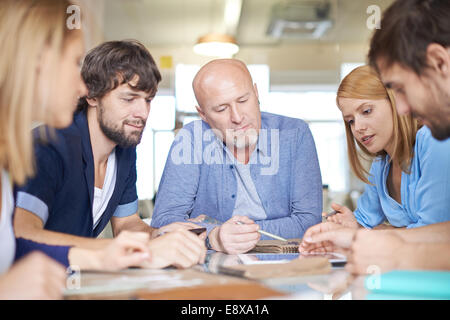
{"points": [[199, 179], [425, 192]]}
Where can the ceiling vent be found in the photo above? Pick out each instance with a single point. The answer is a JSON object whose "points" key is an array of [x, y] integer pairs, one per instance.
{"points": [[300, 19]]}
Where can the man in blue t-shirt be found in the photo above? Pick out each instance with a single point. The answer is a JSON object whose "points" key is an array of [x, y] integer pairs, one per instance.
{"points": [[86, 173]]}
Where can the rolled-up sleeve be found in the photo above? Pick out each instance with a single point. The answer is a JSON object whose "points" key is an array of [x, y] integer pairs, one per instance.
{"points": [[125, 210]]}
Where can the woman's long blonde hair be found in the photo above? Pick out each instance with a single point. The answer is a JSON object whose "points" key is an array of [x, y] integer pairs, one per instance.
{"points": [[364, 83], [27, 27]]}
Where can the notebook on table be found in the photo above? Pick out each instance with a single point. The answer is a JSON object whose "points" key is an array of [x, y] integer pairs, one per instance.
{"points": [[277, 246]]}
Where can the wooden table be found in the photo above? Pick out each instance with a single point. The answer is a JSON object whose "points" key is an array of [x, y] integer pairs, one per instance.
{"points": [[195, 284]]}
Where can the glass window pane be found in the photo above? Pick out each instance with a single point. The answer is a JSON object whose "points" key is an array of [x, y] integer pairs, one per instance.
{"points": [[347, 67], [330, 141], [319, 109], [144, 165], [261, 76], [162, 113], [163, 142], [184, 74], [308, 106]]}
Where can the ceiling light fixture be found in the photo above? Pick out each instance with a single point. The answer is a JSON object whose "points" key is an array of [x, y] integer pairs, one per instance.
{"points": [[216, 45]]}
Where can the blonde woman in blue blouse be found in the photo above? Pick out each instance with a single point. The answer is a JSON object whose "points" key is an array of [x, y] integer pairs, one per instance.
{"points": [[408, 184]]}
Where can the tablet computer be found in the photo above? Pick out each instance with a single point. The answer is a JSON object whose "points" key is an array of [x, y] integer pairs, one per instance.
{"points": [[336, 259]]}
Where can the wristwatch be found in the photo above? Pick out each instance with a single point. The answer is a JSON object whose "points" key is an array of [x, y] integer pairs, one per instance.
{"points": [[207, 243]]}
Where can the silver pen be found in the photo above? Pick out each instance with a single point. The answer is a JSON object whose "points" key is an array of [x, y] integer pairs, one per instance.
{"points": [[332, 213], [268, 234]]}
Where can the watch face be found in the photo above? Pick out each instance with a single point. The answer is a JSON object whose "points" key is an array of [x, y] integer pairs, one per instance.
{"points": [[207, 243], [198, 230]]}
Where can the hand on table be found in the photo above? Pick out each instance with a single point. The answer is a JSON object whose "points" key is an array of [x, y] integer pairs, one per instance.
{"points": [[344, 217], [177, 226], [180, 248], [374, 249], [234, 238], [128, 249], [326, 237], [35, 276]]}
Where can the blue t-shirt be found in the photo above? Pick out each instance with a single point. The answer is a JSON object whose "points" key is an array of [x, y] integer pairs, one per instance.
{"points": [[61, 193], [425, 192]]}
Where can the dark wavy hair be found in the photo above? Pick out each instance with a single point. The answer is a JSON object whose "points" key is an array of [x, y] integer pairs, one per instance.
{"points": [[407, 28], [114, 63]]}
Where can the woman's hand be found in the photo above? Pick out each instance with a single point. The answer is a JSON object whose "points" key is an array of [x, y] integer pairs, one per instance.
{"points": [[344, 217], [35, 276], [326, 237]]}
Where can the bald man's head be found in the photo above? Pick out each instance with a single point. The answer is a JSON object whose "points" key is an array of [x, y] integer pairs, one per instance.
{"points": [[214, 72], [228, 100]]}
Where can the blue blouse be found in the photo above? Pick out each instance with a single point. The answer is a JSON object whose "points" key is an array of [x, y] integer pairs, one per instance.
{"points": [[425, 192]]}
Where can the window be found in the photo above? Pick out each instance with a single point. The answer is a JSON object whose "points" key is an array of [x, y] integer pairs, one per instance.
{"points": [[319, 110], [314, 104], [155, 144]]}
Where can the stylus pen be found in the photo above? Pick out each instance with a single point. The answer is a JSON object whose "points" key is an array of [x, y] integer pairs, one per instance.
{"points": [[332, 213], [268, 234]]}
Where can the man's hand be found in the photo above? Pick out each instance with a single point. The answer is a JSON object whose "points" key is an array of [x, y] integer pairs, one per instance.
{"points": [[326, 237], [180, 248], [128, 249], [234, 238], [35, 276], [344, 217], [176, 226], [386, 251]]}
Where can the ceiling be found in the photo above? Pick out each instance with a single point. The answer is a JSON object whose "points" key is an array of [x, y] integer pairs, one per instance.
{"points": [[181, 22], [172, 27]]}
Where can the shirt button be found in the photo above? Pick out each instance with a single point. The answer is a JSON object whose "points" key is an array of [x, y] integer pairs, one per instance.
{"points": [[231, 166], [233, 196]]}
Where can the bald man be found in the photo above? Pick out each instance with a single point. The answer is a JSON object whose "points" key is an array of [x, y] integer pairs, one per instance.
{"points": [[231, 167]]}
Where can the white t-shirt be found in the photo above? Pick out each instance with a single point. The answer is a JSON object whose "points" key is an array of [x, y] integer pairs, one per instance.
{"points": [[102, 196], [7, 238]]}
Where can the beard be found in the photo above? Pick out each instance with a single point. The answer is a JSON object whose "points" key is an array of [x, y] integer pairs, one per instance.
{"points": [[440, 131], [117, 134], [438, 118]]}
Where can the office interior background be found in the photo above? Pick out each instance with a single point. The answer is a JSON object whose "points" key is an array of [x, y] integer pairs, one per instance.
{"points": [[297, 52]]}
